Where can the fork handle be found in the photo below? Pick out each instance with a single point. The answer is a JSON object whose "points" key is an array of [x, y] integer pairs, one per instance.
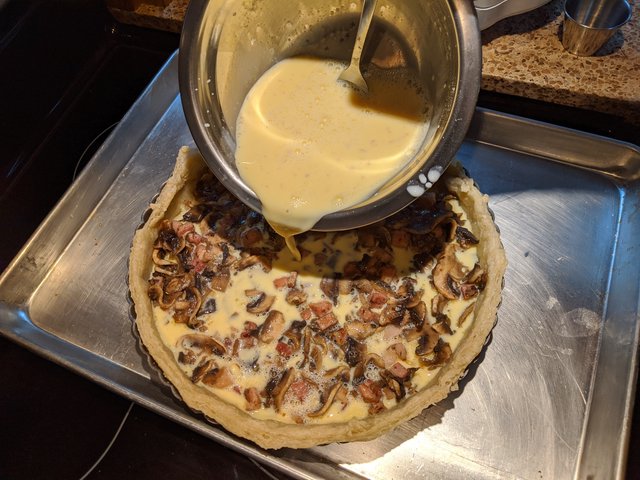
{"points": [[368, 9]]}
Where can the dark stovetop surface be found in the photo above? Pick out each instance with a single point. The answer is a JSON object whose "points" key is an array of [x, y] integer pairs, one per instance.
{"points": [[70, 72]]}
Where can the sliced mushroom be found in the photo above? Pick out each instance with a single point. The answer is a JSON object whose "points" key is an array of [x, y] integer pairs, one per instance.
{"points": [[329, 287], [441, 355], [442, 327], [340, 372], [252, 260], [411, 334], [468, 290], [272, 327], [395, 385], [260, 303], [220, 280], [168, 239], [418, 314], [158, 257], [438, 303], [306, 347], [316, 358], [202, 342], [156, 293], [363, 285], [375, 359], [415, 299], [187, 306], [353, 351], [344, 286], [293, 335], [196, 213], [465, 238], [201, 370], [209, 306], [168, 270], [327, 401], [392, 314], [446, 271], [281, 388], [476, 276], [296, 297], [360, 330], [466, 313], [178, 283], [218, 377], [427, 342]]}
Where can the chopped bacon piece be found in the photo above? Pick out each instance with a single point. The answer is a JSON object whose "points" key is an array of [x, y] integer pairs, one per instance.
{"points": [[399, 371], [339, 336], [198, 266], [400, 238], [319, 259], [193, 237], [293, 278], [377, 299], [250, 237], [376, 408], [327, 320], [400, 350], [249, 328], [204, 252], [370, 391], [247, 342], [391, 331], [300, 389], [351, 269], [367, 315], [284, 349], [280, 282], [321, 308], [288, 281], [253, 399], [306, 313], [182, 228]]}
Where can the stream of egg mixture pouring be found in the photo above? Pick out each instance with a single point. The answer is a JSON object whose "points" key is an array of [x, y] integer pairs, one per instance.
{"points": [[309, 145]]}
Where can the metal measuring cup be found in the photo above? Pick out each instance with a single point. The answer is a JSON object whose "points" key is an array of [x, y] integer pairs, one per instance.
{"points": [[589, 24]]}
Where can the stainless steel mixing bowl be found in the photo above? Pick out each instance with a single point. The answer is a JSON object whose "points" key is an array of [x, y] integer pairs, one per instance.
{"points": [[226, 45]]}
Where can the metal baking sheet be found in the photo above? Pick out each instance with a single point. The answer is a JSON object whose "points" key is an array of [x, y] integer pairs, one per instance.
{"points": [[552, 393]]}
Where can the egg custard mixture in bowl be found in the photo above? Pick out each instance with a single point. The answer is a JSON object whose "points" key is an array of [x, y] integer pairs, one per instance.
{"points": [[309, 145], [366, 330]]}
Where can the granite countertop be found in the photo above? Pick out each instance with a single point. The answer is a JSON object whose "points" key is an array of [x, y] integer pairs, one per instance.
{"points": [[522, 56]]}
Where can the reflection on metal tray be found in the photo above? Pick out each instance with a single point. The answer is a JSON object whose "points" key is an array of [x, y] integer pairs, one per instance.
{"points": [[552, 393]]}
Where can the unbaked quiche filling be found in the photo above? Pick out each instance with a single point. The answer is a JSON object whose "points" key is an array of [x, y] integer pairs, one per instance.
{"points": [[364, 320]]}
